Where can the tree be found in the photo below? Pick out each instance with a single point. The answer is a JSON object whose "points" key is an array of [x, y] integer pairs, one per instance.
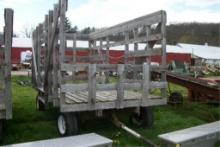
{"points": [[27, 31], [193, 33], [88, 30], [74, 29], [68, 26]]}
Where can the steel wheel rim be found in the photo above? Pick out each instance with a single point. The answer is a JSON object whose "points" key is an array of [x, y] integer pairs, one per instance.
{"points": [[61, 124]]}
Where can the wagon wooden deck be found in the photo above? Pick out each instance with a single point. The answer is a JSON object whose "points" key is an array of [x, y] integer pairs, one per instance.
{"points": [[107, 100]]}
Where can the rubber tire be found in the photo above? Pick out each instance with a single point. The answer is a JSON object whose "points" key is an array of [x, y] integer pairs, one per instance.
{"points": [[145, 119], [71, 124], [176, 97]]}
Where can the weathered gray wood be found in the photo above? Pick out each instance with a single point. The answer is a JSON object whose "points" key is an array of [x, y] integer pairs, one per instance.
{"points": [[144, 53], [92, 84], [50, 50], [146, 83], [79, 36], [111, 105], [163, 57], [120, 86], [35, 80], [1, 39], [158, 85], [74, 87], [130, 25], [95, 96], [97, 58], [107, 49], [106, 87], [62, 30], [74, 55], [70, 67], [51, 76], [111, 67], [148, 47], [69, 59], [126, 47], [9, 13], [38, 53], [153, 37], [77, 48], [132, 86], [100, 67], [135, 33], [55, 68], [74, 48]]}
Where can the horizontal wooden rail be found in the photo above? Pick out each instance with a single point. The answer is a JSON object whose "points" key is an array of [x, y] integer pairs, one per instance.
{"points": [[144, 53], [110, 87], [86, 58], [79, 36], [110, 67], [154, 37], [129, 25], [158, 85], [77, 49], [106, 87], [73, 87]]}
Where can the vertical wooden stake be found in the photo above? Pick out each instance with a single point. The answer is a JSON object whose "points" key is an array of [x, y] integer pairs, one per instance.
{"points": [[92, 84], [120, 88], [146, 83], [163, 60], [8, 45]]}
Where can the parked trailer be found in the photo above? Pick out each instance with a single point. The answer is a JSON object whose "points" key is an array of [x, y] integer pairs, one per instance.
{"points": [[57, 76], [198, 90], [5, 69]]}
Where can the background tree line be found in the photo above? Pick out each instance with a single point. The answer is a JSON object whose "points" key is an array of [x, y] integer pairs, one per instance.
{"points": [[192, 33]]}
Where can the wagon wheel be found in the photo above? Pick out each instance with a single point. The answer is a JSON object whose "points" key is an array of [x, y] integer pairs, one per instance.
{"points": [[176, 98], [145, 118], [39, 104], [67, 124]]}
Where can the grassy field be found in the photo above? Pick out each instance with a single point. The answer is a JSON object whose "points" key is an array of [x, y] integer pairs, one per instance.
{"points": [[28, 124]]}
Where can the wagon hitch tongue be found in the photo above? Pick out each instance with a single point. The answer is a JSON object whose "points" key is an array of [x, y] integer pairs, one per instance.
{"points": [[121, 125]]}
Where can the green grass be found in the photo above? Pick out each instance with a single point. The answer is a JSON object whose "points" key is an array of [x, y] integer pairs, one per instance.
{"points": [[28, 124]]}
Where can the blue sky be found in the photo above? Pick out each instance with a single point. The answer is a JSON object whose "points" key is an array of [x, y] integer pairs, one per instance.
{"points": [[103, 13]]}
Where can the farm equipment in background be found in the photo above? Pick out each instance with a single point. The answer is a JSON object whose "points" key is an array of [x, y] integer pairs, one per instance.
{"points": [[26, 58], [199, 89], [24, 61]]}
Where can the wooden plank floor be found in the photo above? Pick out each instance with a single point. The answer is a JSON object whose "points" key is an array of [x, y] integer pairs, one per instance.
{"points": [[101, 96]]}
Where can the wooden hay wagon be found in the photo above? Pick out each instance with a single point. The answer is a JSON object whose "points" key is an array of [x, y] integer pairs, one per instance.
{"points": [[5, 69], [56, 74]]}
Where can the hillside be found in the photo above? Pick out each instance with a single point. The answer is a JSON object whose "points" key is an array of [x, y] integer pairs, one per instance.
{"points": [[194, 33]]}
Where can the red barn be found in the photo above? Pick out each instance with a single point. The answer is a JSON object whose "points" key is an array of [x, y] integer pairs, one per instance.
{"points": [[116, 54], [20, 45]]}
